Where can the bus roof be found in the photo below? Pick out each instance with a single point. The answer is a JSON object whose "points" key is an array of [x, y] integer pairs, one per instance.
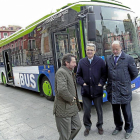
{"points": [[20, 33]]}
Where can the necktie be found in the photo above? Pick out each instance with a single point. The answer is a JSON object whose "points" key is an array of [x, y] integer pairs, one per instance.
{"points": [[115, 61]]}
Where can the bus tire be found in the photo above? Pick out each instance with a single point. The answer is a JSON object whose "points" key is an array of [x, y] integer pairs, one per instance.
{"points": [[46, 89], [4, 80]]}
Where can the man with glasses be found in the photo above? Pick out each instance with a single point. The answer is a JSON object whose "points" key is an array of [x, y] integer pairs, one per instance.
{"points": [[91, 75]]}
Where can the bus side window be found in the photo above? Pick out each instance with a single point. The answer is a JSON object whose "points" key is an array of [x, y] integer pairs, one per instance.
{"points": [[73, 42], [74, 48]]}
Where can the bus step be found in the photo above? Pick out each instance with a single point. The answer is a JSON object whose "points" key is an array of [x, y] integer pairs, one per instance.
{"points": [[10, 83]]}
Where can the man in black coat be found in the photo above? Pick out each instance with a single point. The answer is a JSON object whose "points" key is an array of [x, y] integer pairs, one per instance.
{"points": [[91, 75], [121, 71]]}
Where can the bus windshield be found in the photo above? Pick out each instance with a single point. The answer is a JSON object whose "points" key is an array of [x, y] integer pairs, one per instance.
{"points": [[115, 24]]}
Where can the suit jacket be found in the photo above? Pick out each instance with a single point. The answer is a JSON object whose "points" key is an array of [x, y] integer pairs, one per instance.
{"points": [[65, 90], [119, 78], [91, 74]]}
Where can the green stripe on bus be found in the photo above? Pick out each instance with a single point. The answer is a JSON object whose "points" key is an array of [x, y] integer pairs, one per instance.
{"points": [[38, 83], [82, 40], [4, 80], [77, 7]]}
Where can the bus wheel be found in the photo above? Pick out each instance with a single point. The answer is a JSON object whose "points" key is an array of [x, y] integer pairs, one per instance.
{"points": [[4, 80], [46, 89]]}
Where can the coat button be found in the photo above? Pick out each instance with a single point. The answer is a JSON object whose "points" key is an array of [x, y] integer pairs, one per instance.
{"points": [[91, 86]]}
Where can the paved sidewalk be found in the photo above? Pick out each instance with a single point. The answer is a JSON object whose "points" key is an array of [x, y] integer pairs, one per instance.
{"points": [[24, 115]]}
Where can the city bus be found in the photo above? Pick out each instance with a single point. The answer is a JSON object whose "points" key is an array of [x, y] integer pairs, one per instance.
{"points": [[31, 56]]}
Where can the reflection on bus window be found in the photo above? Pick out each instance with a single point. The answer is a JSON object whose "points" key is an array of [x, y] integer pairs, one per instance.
{"points": [[115, 26]]}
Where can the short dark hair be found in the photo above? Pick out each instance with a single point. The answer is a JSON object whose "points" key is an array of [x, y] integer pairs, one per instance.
{"points": [[67, 58]]}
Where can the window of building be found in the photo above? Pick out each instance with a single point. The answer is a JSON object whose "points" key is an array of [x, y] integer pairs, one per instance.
{"points": [[19, 43], [15, 44], [5, 35], [31, 44]]}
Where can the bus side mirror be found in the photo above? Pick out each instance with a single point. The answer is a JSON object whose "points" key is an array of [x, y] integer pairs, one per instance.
{"points": [[91, 27]]}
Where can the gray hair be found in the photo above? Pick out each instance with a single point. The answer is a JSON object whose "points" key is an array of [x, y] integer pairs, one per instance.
{"points": [[116, 42], [91, 45]]}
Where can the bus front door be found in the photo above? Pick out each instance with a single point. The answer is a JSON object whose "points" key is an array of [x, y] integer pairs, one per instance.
{"points": [[8, 65], [61, 47]]}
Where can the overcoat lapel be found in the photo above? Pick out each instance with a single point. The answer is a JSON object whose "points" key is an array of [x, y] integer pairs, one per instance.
{"points": [[95, 59], [121, 58], [86, 61], [112, 60]]}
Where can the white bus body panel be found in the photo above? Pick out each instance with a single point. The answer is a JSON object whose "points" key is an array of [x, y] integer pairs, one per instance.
{"points": [[17, 71]]}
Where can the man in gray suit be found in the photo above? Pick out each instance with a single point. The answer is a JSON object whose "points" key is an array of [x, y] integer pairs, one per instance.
{"points": [[66, 104]]}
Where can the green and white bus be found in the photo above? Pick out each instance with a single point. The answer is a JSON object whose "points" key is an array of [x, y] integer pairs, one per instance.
{"points": [[30, 57]]}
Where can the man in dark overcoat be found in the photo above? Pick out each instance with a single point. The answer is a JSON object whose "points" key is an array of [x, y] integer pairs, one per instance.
{"points": [[121, 70], [66, 104], [91, 75]]}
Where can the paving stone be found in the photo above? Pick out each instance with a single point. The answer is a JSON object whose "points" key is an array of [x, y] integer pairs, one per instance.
{"points": [[43, 132], [19, 137], [14, 121], [14, 130], [1, 138], [37, 121], [8, 109], [6, 116], [4, 125]]}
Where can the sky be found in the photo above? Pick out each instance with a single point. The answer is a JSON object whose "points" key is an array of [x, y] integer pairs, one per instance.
{"points": [[23, 13]]}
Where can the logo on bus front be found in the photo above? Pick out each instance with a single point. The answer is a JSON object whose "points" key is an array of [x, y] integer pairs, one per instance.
{"points": [[28, 81]]}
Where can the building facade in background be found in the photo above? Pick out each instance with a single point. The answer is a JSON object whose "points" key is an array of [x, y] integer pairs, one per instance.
{"points": [[138, 29], [7, 31]]}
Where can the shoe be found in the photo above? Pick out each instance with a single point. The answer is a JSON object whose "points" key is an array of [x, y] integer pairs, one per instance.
{"points": [[100, 131], [115, 132], [86, 132], [127, 135]]}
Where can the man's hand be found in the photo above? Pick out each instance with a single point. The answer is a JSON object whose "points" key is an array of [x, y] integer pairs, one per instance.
{"points": [[99, 85], [84, 84], [73, 99]]}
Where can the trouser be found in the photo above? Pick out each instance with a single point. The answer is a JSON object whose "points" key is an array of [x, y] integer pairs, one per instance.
{"points": [[68, 127], [87, 104], [126, 110]]}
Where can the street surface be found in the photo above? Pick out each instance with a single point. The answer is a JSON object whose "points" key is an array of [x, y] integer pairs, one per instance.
{"points": [[24, 115]]}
